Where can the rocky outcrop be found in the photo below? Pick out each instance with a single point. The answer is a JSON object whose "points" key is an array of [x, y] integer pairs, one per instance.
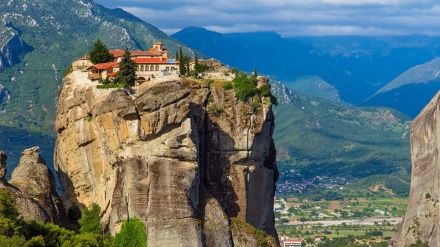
{"points": [[182, 157], [32, 185], [422, 219], [4, 94], [13, 50], [33, 178]]}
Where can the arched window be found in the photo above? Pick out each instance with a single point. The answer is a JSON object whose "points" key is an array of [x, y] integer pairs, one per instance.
{"points": [[146, 68], [152, 68], [157, 67]]}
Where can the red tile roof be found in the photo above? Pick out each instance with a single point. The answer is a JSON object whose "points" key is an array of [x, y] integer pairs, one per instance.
{"points": [[113, 74], [102, 66], [150, 60], [116, 53]]}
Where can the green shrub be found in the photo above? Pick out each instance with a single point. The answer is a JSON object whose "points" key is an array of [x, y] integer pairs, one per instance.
{"points": [[68, 70], [262, 238], [74, 212], [90, 219], [265, 90], [427, 196], [132, 234], [7, 205], [244, 87], [111, 85], [227, 85]]}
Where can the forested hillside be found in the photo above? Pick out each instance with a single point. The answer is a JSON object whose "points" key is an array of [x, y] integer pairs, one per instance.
{"points": [[38, 40]]}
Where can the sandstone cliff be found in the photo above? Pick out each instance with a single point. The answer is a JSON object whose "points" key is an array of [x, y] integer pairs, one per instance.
{"points": [[183, 157], [33, 186], [421, 220]]}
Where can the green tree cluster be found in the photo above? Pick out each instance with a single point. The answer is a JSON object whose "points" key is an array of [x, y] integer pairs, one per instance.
{"points": [[20, 233], [198, 67], [244, 86], [132, 234], [127, 70], [90, 220], [99, 53]]}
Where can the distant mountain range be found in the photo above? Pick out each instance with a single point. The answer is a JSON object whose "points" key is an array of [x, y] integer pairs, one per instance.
{"points": [[351, 69], [338, 139], [410, 91]]}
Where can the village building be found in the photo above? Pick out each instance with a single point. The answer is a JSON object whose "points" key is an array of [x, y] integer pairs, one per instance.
{"points": [[319, 239], [82, 63], [102, 70], [149, 64], [292, 243]]}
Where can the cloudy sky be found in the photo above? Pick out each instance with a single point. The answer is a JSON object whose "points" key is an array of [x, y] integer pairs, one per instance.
{"points": [[290, 17]]}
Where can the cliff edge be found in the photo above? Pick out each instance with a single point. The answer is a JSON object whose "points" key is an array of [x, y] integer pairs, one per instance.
{"points": [[184, 156], [421, 221]]}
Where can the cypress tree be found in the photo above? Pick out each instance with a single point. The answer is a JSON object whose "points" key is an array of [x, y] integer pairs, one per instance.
{"points": [[99, 53], [181, 63], [196, 64], [187, 66], [177, 56], [255, 72], [127, 69]]}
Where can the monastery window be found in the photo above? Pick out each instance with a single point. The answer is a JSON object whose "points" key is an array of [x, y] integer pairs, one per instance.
{"points": [[152, 68], [157, 67], [146, 68]]}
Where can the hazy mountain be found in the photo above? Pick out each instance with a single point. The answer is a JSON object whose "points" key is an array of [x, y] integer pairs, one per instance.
{"points": [[356, 67], [340, 140], [410, 91]]}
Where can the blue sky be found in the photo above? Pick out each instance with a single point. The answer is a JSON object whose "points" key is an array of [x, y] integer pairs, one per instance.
{"points": [[290, 17]]}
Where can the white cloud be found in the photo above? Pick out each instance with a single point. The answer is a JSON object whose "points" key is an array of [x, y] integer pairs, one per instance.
{"points": [[290, 17]]}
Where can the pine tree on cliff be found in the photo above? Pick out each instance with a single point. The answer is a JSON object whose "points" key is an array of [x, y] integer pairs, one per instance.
{"points": [[182, 69], [99, 53], [187, 66], [196, 64], [127, 69]]}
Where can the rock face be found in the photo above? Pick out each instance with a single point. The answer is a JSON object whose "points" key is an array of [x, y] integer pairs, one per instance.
{"points": [[421, 220], [33, 186], [183, 158], [14, 49], [33, 178]]}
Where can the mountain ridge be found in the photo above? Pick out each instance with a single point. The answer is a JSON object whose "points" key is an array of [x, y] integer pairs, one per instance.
{"points": [[356, 66]]}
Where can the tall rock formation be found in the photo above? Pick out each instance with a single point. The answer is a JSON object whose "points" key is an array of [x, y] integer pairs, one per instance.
{"points": [[421, 220], [33, 187], [182, 157]]}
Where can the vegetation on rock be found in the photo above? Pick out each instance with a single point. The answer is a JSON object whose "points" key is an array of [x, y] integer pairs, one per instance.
{"points": [[90, 220], [17, 232], [132, 234], [127, 70], [99, 53]]}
